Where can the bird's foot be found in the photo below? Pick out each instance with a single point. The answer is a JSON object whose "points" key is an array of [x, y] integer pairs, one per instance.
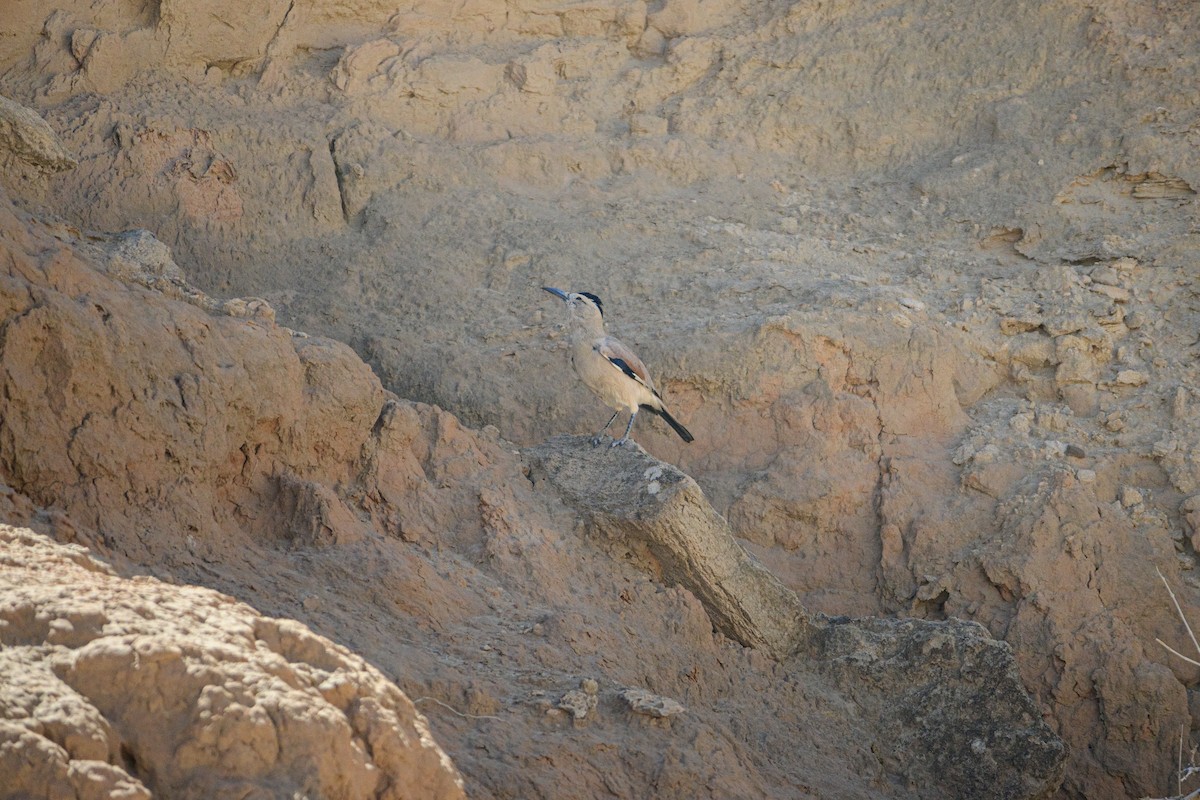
{"points": [[619, 442]]}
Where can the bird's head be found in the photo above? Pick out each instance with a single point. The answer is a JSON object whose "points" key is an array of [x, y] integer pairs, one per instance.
{"points": [[583, 306]]}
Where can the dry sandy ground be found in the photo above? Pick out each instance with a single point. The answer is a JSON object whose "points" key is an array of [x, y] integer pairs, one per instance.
{"points": [[919, 277]]}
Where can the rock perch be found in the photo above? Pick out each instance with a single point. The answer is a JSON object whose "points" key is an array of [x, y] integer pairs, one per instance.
{"points": [[626, 493]]}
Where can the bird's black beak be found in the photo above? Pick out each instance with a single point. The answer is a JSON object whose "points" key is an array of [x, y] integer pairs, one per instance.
{"points": [[559, 293]]}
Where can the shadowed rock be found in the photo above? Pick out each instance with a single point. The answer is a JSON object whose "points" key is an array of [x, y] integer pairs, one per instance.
{"points": [[950, 710]]}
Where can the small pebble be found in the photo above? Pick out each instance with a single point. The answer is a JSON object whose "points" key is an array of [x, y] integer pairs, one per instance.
{"points": [[1132, 377], [1130, 497]]}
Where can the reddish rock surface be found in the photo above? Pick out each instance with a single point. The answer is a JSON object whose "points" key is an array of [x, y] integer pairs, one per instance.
{"points": [[919, 280]]}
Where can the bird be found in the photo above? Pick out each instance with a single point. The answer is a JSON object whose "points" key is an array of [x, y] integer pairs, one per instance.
{"points": [[611, 370]]}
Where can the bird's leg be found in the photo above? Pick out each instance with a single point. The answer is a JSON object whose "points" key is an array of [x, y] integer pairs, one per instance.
{"points": [[599, 436], [628, 428]]}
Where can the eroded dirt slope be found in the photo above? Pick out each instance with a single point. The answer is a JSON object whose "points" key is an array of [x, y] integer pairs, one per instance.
{"points": [[919, 276], [559, 654]]}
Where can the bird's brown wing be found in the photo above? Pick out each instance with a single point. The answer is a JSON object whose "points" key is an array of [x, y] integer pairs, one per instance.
{"points": [[626, 360]]}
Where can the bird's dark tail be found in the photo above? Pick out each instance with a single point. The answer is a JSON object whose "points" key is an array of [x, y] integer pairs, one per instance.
{"points": [[683, 432]]}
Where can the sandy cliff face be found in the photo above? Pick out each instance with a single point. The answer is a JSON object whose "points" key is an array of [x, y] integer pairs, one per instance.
{"points": [[918, 278]]}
